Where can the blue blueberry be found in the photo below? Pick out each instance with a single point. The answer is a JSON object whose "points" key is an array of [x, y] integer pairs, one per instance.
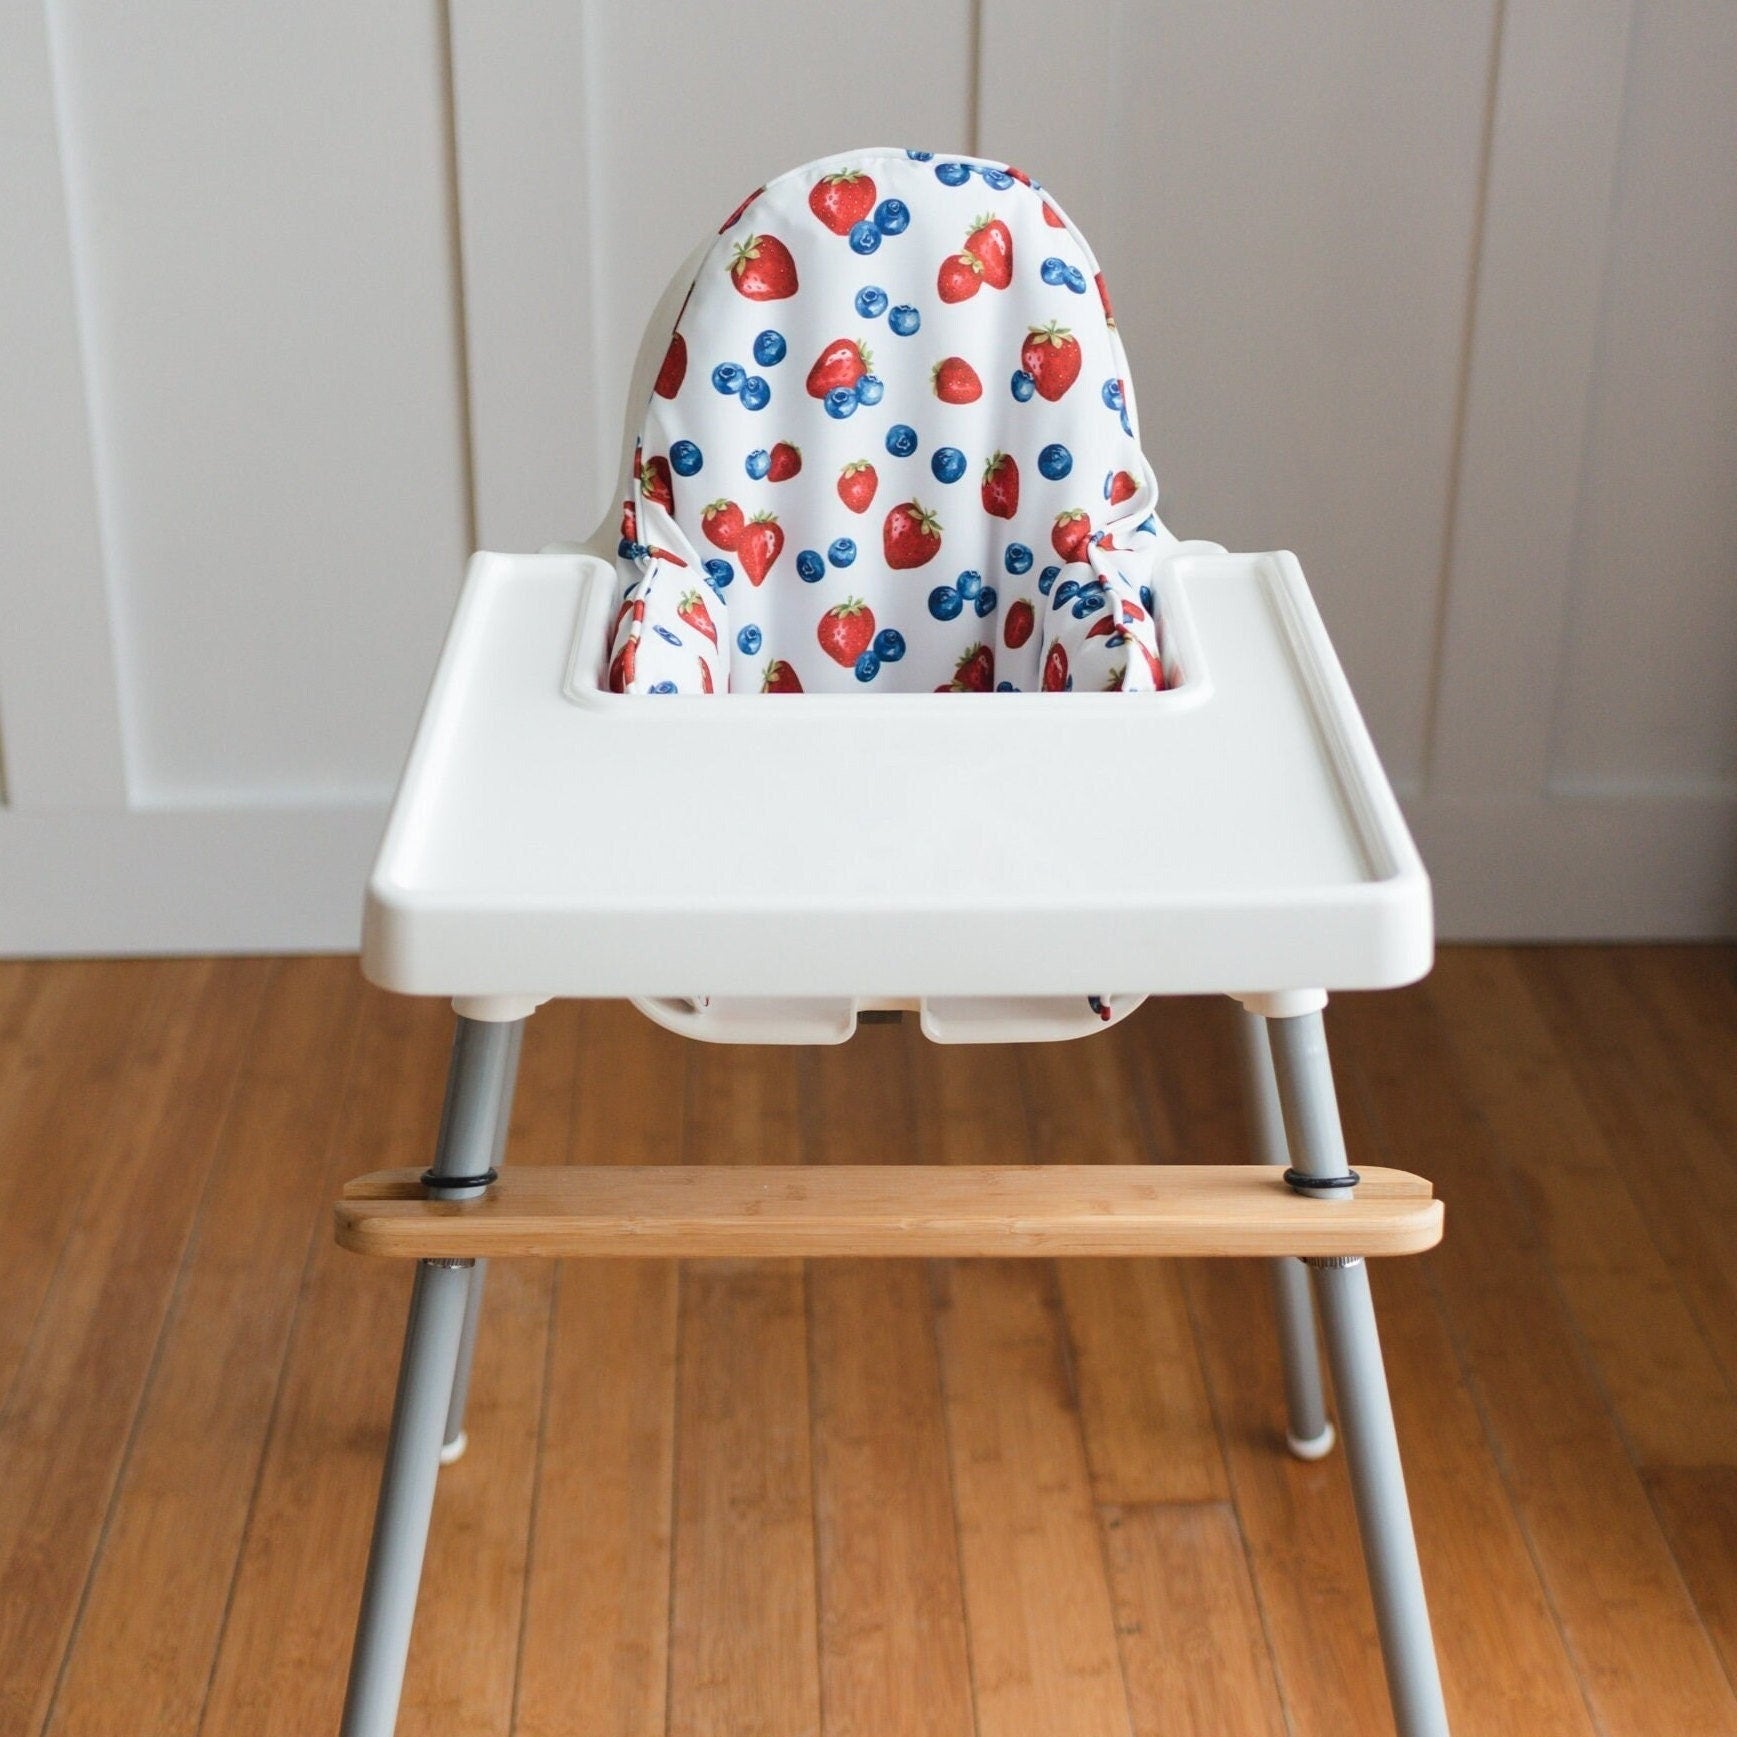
{"points": [[749, 640], [948, 464], [986, 601], [1023, 385], [864, 237], [1088, 603], [1112, 394], [1055, 461], [661, 688], [1075, 280], [904, 319], [1054, 271], [889, 645], [685, 458], [1149, 523], [1046, 579], [952, 174], [1065, 592], [840, 403], [871, 301], [901, 440], [1109, 482], [728, 377], [809, 566], [627, 549], [1006, 688], [720, 573], [969, 584], [870, 389], [1127, 426], [892, 217], [756, 394], [868, 666], [841, 552], [1147, 599], [664, 634], [999, 179], [919, 156], [945, 603], [1017, 559], [757, 463], [769, 348]]}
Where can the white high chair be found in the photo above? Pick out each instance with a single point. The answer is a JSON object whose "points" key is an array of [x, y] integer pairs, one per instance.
{"points": [[594, 806]]}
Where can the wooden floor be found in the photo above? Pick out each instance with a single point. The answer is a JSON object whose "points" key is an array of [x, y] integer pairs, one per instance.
{"points": [[866, 1499]]}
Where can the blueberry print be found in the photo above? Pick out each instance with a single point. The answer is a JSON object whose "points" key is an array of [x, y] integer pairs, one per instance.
{"points": [[948, 464], [771, 468]]}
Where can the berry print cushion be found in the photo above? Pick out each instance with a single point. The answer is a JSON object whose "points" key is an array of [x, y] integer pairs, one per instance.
{"points": [[892, 447]]}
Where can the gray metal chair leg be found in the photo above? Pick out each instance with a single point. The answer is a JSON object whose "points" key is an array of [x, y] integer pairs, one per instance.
{"points": [[1310, 1432], [455, 1440], [1317, 1142], [482, 1054]]}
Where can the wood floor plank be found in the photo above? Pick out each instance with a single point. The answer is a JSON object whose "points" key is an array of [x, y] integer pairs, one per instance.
{"points": [[1192, 1650], [1643, 1657], [1697, 1506], [147, 1637], [64, 1427], [1659, 1373], [596, 1629]]}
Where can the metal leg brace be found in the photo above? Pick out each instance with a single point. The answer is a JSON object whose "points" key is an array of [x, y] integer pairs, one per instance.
{"points": [[478, 1103], [1317, 1145], [1310, 1432]]}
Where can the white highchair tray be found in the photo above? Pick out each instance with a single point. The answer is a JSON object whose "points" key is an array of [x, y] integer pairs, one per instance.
{"points": [[1236, 835]]}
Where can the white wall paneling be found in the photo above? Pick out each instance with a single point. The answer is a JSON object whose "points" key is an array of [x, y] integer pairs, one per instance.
{"points": [[1442, 297]]}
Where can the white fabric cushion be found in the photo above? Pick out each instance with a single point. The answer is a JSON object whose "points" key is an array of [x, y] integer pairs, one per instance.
{"points": [[892, 447]]}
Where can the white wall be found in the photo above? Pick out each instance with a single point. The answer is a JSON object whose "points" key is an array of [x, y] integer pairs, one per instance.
{"points": [[302, 301]]}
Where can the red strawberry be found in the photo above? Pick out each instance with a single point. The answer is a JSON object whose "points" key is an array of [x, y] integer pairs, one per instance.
{"points": [[846, 631], [622, 667], [654, 483], [722, 522], [1019, 174], [1050, 216], [1001, 486], [1069, 533], [1131, 611], [1104, 626], [990, 243], [1104, 297], [842, 363], [911, 536], [1154, 666], [779, 678], [668, 555], [691, 607], [1016, 627], [975, 671], [735, 216], [761, 269], [629, 522], [1051, 356], [1122, 488], [842, 199], [960, 277], [857, 483], [705, 676], [758, 546], [956, 382], [1055, 669], [786, 462], [674, 369]]}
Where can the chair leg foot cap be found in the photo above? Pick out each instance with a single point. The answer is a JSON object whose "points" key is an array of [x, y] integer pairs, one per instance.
{"points": [[1314, 1447], [454, 1450]]}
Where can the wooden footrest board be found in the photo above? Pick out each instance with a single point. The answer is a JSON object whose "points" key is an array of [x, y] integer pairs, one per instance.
{"points": [[890, 1209]]}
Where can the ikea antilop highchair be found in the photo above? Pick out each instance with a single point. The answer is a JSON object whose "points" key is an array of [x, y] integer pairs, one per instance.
{"points": [[882, 445]]}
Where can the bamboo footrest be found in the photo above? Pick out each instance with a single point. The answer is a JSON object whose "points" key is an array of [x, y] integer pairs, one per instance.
{"points": [[890, 1209]]}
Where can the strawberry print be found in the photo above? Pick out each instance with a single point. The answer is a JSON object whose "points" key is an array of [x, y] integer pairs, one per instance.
{"points": [[786, 462], [955, 381], [654, 483], [838, 367], [847, 630], [705, 675], [1055, 668], [1051, 357], [1069, 533], [761, 269], [991, 244], [1122, 488], [1017, 624], [842, 199], [973, 674], [857, 483], [674, 368], [735, 216], [779, 678], [1001, 486], [1104, 297], [1053, 217], [722, 523], [911, 536], [759, 545], [692, 609], [960, 277]]}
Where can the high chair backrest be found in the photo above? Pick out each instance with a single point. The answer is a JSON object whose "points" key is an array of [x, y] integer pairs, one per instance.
{"points": [[892, 446]]}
